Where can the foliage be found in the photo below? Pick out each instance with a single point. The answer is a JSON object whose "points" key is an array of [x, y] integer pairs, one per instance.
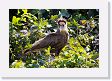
{"points": [[82, 50]]}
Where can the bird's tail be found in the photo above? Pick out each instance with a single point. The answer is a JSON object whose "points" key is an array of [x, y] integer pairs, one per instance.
{"points": [[26, 51]]}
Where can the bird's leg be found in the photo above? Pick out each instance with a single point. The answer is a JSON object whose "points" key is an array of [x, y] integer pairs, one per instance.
{"points": [[57, 52], [51, 57]]}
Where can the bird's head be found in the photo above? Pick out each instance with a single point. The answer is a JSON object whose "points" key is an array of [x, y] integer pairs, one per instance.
{"points": [[62, 24]]}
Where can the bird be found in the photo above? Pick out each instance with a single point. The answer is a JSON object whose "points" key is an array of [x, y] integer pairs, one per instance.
{"points": [[56, 40]]}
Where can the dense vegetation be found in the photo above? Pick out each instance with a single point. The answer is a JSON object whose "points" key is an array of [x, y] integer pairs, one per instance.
{"points": [[27, 26]]}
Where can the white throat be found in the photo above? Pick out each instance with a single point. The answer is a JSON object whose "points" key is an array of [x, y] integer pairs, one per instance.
{"points": [[63, 28]]}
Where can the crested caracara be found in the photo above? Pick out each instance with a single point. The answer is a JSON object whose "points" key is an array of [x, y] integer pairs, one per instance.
{"points": [[55, 40]]}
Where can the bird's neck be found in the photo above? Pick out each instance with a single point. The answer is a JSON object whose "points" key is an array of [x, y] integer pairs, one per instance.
{"points": [[63, 29]]}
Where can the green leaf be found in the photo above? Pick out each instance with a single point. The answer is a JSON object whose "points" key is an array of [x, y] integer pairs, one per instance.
{"points": [[48, 50], [24, 10], [18, 12], [14, 21], [75, 22], [42, 67]]}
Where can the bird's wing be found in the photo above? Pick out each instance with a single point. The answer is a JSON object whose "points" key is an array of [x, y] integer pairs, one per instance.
{"points": [[49, 40]]}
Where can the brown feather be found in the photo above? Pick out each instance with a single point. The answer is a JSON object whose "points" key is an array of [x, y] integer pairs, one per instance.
{"points": [[56, 40]]}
